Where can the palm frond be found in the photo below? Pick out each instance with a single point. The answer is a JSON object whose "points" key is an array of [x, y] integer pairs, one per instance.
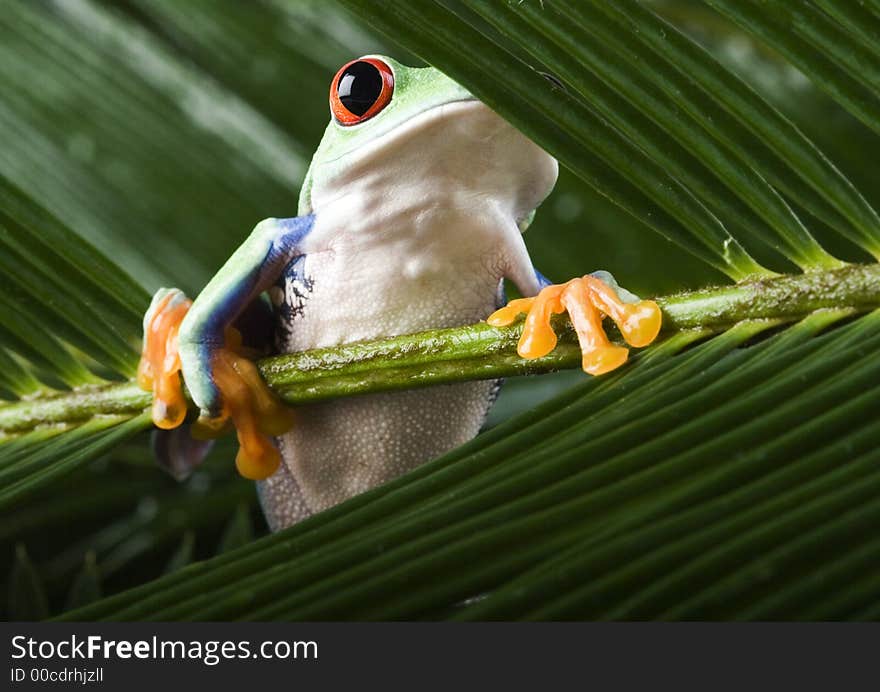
{"points": [[727, 472], [623, 63], [837, 58], [635, 480], [63, 299]]}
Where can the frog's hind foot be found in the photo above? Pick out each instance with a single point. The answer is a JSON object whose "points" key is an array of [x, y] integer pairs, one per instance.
{"points": [[255, 411], [247, 402], [586, 300]]}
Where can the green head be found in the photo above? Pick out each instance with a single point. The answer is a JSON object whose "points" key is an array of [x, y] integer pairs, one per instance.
{"points": [[370, 98]]}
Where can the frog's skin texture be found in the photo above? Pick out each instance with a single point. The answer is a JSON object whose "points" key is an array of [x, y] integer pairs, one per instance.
{"points": [[407, 221], [414, 230]]}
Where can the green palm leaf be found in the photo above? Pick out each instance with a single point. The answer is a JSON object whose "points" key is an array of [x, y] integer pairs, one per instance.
{"points": [[728, 472], [63, 299]]}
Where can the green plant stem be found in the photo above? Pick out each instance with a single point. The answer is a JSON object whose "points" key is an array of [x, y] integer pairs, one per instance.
{"points": [[476, 351]]}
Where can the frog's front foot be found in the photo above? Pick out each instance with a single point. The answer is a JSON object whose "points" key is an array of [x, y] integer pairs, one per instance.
{"points": [[159, 368], [244, 398], [586, 299]]}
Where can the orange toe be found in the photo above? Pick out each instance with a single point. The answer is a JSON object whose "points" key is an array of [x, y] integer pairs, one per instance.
{"points": [[506, 315], [538, 337], [159, 367], [257, 457], [604, 359], [641, 323], [169, 405]]}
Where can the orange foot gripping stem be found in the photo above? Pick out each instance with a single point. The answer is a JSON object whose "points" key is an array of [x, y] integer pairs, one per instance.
{"points": [[247, 402], [587, 300]]}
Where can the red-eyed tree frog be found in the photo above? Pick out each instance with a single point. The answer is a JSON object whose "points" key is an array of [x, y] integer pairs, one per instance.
{"points": [[410, 218]]}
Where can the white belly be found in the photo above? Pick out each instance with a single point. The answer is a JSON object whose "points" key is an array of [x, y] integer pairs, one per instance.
{"points": [[413, 232], [338, 449]]}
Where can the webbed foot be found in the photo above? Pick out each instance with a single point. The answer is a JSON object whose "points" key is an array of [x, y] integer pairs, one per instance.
{"points": [[586, 299], [246, 401], [159, 367], [255, 411]]}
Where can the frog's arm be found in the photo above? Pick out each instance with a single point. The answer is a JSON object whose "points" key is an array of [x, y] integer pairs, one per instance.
{"points": [[198, 339], [252, 269], [586, 300]]}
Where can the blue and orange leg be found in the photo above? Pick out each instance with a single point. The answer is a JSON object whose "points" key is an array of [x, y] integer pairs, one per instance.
{"points": [[587, 300], [199, 340], [247, 403]]}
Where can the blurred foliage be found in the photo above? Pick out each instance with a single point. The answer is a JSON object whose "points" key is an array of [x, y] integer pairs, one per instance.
{"points": [[160, 132]]}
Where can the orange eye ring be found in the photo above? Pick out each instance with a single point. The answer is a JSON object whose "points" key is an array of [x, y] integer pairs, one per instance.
{"points": [[360, 90]]}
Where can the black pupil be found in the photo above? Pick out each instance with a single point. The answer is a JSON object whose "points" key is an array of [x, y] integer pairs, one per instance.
{"points": [[359, 87]]}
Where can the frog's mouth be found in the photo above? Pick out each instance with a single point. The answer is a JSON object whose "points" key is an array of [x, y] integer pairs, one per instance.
{"points": [[417, 124]]}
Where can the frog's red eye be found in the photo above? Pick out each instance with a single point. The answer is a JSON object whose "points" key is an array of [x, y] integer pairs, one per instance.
{"points": [[360, 90]]}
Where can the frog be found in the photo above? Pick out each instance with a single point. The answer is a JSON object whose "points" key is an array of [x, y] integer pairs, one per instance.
{"points": [[411, 217]]}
